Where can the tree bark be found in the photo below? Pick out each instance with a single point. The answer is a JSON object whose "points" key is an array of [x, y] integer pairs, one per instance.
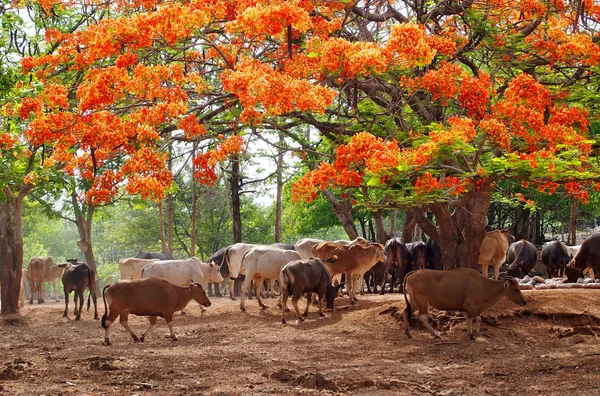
{"points": [[236, 220], [161, 218], [379, 226], [393, 224], [410, 223], [278, 194], [573, 223], [170, 208], [84, 215], [194, 207], [343, 211]]}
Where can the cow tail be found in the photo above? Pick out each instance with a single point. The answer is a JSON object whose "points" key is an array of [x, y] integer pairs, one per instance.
{"points": [[288, 281], [105, 308], [408, 307]]}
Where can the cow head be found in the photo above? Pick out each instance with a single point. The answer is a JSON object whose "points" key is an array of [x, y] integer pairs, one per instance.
{"points": [[214, 271], [331, 293], [199, 294], [512, 291], [516, 270]]}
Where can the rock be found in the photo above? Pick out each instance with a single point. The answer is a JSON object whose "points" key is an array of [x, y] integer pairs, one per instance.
{"points": [[539, 279], [283, 375], [361, 384], [577, 339], [315, 381]]}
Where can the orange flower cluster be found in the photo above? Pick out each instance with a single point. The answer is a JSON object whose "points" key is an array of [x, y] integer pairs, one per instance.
{"points": [[426, 183], [272, 17], [206, 163], [475, 93], [442, 83]]}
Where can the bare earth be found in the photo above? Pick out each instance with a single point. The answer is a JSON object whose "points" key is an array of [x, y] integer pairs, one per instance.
{"points": [[357, 350]]}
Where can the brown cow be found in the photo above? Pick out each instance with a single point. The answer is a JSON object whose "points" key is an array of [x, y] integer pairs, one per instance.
{"points": [[461, 289], [35, 276], [78, 277], [493, 251], [152, 297], [353, 260]]}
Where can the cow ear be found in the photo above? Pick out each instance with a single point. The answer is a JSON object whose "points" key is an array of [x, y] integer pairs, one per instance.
{"points": [[192, 286], [506, 285]]}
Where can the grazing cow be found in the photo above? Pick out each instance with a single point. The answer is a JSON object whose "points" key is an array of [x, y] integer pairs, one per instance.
{"points": [[234, 256], [353, 260], [419, 255], [131, 268], [493, 251], [588, 255], [154, 256], [264, 262], [147, 297], [555, 256], [306, 276], [77, 277], [435, 255], [219, 257], [35, 276], [461, 289], [522, 256], [398, 258], [180, 272]]}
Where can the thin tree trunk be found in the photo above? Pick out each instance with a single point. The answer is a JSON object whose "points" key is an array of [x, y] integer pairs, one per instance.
{"points": [[161, 218], [394, 223], [573, 223], [363, 228], [236, 219], [379, 226], [194, 206], [84, 216], [170, 208], [409, 225], [278, 194]]}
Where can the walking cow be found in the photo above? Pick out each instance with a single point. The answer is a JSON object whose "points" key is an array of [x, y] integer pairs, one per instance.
{"points": [[78, 277]]}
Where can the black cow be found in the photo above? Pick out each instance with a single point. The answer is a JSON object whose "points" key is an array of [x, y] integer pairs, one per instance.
{"points": [[78, 277], [435, 255], [220, 258], [588, 256], [521, 257], [398, 257], [555, 257], [154, 256], [419, 255], [306, 276]]}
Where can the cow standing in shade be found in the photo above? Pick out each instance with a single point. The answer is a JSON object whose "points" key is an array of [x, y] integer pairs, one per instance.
{"points": [[493, 251], [78, 277], [219, 257], [397, 257], [522, 256], [587, 256]]}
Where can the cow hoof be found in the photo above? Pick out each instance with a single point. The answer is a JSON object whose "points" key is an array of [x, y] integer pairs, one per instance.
{"points": [[408, 335], [321, 314], [301, 319], [135, 339], [175, 339], [287, 310], [305, 314], [106, 342], [142, 339], [471, 337], [243, 309], [96, 317], [263, 307], [353, 302], [283, 321], [77, 318]]}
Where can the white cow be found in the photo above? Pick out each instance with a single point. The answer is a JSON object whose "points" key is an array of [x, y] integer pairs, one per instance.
{"points": [[235, 254], [131, 268], [182, 272], [304, 246], [264, 262]]}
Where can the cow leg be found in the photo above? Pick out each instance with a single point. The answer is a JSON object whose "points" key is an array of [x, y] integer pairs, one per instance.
{"points": [[245, 289], [295, 299], [284, 308], [75, 299], [231, 285], [477, 325], [41, 292], [81, 299], [484, 270], [258, 285], [361, 286], [209, 290], [152, 323], [497, 271], [109, 320], [590, 272], [549, 272], [308, 300], [424, 317], [169, 319], [386, 269], [351, 283], [66, 302], [55, 293], [470, 326], [94, 300], [123, 320]]}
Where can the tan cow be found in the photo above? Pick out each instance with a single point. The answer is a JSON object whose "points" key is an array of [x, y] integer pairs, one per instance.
{"points": [[131, 268], [461, 289], [493, 251], [35, 277], [151, 297], [354, 260]]}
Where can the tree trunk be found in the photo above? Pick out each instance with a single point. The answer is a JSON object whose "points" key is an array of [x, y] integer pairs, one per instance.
{"points": [[379, 226], [279, 189], [236, 220], [573, 223], [343, 211], [363, 227], [194, 206], [394, 222], [84, 215], [409, 226], [161, 218], [170, 208], [11, 251]]}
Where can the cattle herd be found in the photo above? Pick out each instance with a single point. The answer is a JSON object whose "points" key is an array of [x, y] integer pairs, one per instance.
{"points": [[156, 285]]}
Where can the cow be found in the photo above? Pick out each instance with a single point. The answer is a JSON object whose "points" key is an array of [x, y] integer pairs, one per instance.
{"points": [[264, 262], [435, 255], [234, 256], [131, 268], [35, 277], [284, 246], [461, 289], [354, 260], [151, 297], [179, 272], [397, 258], [219, 257], [493, 251], [154, 256], [588, 255], [50, 273], [419, 255], [521, 257], [305, 245], [77, 277], [306, 276], [22, 290], [555, 257]]}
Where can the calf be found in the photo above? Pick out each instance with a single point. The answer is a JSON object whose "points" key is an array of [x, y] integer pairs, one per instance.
{"points": [[78, 277], [398, 257], [151, 297], [521, 258], [264, 262], [306, 276], [462, 289]]}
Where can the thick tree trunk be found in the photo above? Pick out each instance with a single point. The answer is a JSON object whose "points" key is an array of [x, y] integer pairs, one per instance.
{"points": [[278, 194], [11, 253], [410, 223], [236, 220], [84, 215], [379, 226], [394, 222], [161, 219], [194, 207], [573, 223], [343, 211]]}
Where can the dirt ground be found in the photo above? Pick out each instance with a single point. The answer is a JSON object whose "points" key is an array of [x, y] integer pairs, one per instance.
{"points": [[356, 349]]}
